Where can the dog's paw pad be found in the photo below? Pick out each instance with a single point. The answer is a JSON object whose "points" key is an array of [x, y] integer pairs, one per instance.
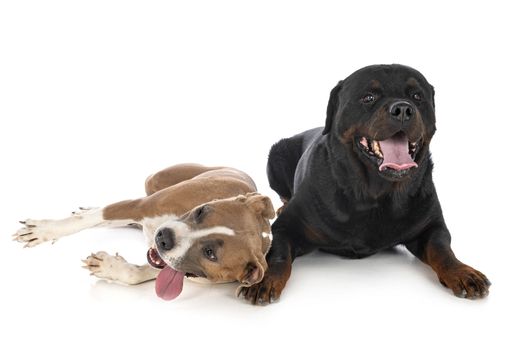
{"points": [[105, 266]]}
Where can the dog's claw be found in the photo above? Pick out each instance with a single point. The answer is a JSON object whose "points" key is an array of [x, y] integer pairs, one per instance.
{"points": [[462, 294], [110, 267], [466, 282], [265, 292], [86, 208], [35, 232], [263, 302], [93, 256]]}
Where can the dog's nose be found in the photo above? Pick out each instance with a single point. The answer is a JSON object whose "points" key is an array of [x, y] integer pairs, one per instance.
{"points": [[401, 111], [164, 239]]}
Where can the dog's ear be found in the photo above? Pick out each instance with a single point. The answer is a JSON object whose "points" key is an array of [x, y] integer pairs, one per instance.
{"points": [[261, 205], [333, 105], [253, 273]]}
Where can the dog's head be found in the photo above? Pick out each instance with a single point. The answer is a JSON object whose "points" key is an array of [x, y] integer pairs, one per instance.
{"points": [[384, 114], [224, 240]]}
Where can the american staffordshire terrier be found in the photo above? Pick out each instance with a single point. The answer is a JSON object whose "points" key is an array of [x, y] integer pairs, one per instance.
{"points": [[198, 221]]}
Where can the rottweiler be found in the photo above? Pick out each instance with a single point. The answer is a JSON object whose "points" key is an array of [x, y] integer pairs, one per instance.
{"points": [[363, 183]]}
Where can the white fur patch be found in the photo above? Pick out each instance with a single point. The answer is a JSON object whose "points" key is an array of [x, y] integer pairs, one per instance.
{"points": [[184, 239], [200, 280], [117, 269], [38, 231], [267, 235], [150, 226]]}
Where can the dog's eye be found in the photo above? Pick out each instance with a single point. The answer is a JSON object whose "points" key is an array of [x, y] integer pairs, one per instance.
{"points": [[416, 96], [209, 254], [368, 98]]}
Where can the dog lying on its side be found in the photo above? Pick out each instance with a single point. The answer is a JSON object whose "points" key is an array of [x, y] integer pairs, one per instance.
{"points": [[199, 222]]}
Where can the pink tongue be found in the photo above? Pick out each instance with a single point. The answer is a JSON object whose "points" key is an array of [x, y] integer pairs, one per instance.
{"points": [[395, 153], [169, 283]]}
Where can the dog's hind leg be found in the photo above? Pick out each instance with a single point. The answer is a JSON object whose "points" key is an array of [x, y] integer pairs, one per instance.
{"points": [[116, 268], [35, 232], [174, 175], [282, 161]]}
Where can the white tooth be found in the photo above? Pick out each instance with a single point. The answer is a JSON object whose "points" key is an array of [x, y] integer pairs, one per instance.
{"points": [[376, 148]]}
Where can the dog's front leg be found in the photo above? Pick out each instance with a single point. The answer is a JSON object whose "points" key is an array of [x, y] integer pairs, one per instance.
{"points": [[433, 248], [119, 214], [269, 290], [35, 232], [116, 268], [280, 257]]}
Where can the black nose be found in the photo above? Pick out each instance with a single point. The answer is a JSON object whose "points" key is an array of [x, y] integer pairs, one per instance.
{"points": [[401, 111], [164, 239]]}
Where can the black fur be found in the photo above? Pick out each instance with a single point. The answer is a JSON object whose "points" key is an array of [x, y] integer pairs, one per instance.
{"points": [[338, 200]]}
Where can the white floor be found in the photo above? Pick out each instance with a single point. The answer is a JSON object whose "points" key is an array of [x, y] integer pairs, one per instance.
{"points": [[384, 300], [95, 96]]}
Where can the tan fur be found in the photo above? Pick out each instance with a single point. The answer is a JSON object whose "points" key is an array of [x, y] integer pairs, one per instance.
{"points": [[184, 194], [229, 193], [173, 194], [238, 255], [182, 172]]}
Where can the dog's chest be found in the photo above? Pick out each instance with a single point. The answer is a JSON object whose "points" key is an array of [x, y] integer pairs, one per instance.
{"points": [[368, 229]]}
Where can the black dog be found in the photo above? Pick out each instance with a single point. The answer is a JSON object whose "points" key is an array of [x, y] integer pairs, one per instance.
{"points": [[363, 183]]}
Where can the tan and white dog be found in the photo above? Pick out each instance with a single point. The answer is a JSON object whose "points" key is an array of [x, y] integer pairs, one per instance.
{"points": [[199, 222]]}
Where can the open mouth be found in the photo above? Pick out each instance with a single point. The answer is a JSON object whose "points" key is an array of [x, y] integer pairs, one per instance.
{"points": [[394, 156], [154, 259], [169, 282]]}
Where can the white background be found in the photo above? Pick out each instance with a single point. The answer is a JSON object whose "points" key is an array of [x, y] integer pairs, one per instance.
{"points": [[96, 95]]}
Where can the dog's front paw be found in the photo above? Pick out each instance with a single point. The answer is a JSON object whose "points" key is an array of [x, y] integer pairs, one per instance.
{"points": [[270, 288], [465, 282], [35, 232], [265, 292], [106, 266]]}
